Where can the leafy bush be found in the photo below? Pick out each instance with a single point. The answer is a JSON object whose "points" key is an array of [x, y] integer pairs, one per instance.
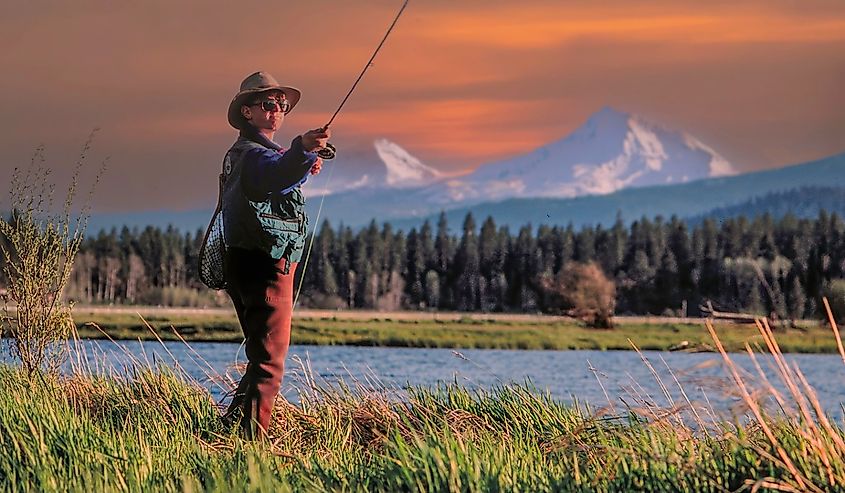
{"points": [[39, 247], [583, 291]]}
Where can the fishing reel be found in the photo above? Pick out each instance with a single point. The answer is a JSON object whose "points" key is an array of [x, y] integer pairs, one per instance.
{"points": [[328, 152]]}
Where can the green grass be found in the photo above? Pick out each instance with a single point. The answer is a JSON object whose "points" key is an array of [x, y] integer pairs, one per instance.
{"points": [[155, 431], [460, 333]]}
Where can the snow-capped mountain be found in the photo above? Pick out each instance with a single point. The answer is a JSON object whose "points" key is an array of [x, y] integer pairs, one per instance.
{"points": [[403, 169], [613, 163], [611, 151], [384, 164]]}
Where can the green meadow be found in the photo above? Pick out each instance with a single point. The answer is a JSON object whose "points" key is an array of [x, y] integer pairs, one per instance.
{"points": [[454, 332]]}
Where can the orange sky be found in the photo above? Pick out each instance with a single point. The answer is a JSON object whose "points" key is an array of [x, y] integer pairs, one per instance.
{"points": [[458, 84]]}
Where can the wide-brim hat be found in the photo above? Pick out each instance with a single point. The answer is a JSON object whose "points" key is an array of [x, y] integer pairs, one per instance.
{"points": [[251, 86]]}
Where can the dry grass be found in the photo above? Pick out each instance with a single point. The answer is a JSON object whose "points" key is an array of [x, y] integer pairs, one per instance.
{"points": [[154, 429]]}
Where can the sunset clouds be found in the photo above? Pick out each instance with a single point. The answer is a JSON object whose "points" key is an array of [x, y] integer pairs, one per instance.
{"points": [[458, 83]]}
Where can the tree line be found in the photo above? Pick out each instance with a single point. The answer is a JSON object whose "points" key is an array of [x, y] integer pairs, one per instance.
{"points": [[658, 266]]}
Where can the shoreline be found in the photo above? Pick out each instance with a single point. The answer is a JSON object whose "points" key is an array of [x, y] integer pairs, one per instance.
{"points": [[447, 330], [159, 311]]}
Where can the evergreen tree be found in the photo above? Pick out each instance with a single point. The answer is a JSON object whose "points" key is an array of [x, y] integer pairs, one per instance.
{"points": [[487, 247], [361, 291], [467, 267], [667, 294], [416, 270], [491, 263], [679, 243], [432, 289], [585, 246], [796, 299], [546, 258], [708, 256], [764, 235], [566, 246], [323, 279], [518, 270], [442, 246], [443, 254], [640, 287], [394, 295], [610, 246], [427, 244], [342, 262]]}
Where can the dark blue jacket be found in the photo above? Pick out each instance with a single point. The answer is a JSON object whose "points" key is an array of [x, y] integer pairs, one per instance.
{"points": [[268, 168], [263, 206]]}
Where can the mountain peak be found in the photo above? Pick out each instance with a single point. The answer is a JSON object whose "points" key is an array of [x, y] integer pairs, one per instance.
{"points": [[403, 169], [608, 113], [382, 164], [606, 121], [612, 150], [644, 136]]}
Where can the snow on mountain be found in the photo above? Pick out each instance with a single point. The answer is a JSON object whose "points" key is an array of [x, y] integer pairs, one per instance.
{"points": [[611, 151], [383, 165], [718, 165], [403, 169]]}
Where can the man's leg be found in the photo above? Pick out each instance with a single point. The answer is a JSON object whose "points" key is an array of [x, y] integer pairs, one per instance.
{"points": [[234, 410], [266, 298]]}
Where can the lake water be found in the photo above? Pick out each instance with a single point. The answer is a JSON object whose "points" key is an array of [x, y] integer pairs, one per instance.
{"points": [[617, 376]]}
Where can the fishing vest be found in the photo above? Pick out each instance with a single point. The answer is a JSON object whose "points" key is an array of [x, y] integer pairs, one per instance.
{"points": [[276, 225]]}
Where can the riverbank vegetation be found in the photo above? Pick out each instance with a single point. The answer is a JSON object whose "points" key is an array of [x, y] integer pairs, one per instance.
{"points": [[452, 332], [153, 429], [141, 428], [38, 247]]}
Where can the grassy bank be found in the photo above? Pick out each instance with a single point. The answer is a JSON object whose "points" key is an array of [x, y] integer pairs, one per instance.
{"points": [[157, 431], [490, 333]]}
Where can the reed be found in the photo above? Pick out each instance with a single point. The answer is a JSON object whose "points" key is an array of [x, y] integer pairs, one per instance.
{"points": [[150, 427]]}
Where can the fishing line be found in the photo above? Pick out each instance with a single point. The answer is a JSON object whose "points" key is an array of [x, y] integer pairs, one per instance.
{"points": [[313, 237]]}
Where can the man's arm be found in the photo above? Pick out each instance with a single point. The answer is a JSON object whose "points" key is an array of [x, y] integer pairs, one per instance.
{"points": [[267, 170]]}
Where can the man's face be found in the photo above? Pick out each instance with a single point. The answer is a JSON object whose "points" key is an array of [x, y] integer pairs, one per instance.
{"points": [[265, 110]]}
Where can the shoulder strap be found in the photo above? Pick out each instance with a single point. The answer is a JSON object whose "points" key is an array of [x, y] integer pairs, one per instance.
{"points": [[224, 172]]}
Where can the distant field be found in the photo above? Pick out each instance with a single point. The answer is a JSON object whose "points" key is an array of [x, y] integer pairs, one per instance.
{"points": [[443, 330]]}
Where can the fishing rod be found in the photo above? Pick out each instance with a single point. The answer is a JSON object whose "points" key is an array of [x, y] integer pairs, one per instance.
{"points": [[330, 151]]}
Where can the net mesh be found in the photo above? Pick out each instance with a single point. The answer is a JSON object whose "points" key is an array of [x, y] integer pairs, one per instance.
{"points": [[211, 254]]}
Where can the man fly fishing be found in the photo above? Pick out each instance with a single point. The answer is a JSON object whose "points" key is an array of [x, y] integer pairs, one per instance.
{"points": [[265, 226], [257, 233]]}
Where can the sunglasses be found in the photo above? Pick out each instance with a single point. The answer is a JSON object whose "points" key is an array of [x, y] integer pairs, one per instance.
{"points": [[273, 105]]}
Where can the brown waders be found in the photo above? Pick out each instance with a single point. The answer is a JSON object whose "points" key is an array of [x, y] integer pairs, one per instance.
{"points": [[263, 299]]}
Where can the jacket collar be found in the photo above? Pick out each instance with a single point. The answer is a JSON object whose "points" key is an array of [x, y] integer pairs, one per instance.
{"points": [[255, 136]]}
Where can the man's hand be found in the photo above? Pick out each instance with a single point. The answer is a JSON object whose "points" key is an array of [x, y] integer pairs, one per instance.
{"points": [[313, 140], [317, 166]]}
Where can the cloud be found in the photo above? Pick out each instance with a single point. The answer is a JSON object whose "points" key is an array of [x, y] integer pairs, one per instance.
{"points": [[532, 26], [458, 83]]}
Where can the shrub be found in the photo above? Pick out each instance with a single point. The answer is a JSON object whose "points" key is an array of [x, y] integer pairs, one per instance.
{"points": [[835, 293], [584, 292], [322, 301], [39, 247], [183, 297]]}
